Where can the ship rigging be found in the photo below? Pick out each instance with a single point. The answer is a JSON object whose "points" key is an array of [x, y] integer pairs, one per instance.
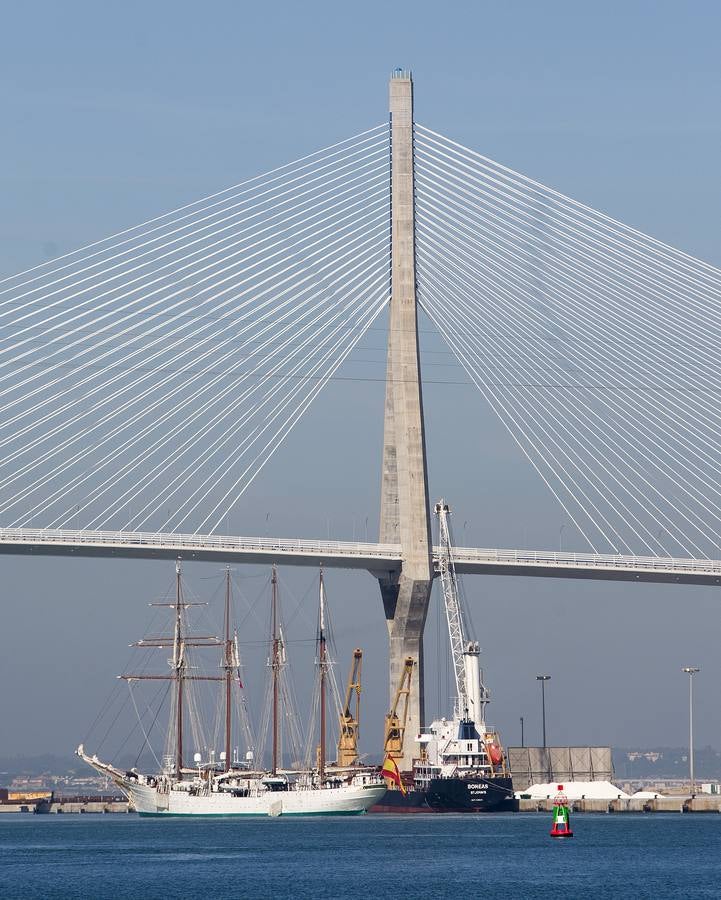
{"points": [[231, 787]]}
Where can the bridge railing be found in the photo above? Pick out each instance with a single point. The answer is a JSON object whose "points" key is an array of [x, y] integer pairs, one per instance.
{"points": [[363, 553], [80, 537], [576, 560]]}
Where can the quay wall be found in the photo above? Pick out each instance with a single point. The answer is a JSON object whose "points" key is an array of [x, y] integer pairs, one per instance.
{"points": [[660, 804], [113, 806], [59, 805]]}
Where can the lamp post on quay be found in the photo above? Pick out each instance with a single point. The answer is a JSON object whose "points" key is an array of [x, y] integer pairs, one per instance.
{"points": [[543, 679], [690, 671]]}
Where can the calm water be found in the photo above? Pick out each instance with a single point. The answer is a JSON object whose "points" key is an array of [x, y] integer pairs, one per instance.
{"points": [[504, 856]]}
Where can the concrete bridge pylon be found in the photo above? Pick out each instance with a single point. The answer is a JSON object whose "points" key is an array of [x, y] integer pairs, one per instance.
{"points": [[405, 510]]}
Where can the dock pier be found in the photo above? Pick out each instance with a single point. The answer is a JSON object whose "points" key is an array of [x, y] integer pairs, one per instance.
{"points": [[661, 804]]}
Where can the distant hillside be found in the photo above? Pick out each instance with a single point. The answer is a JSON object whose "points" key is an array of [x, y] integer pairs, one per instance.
{"points": [[629, 763], [666, 762], [48, 763]]}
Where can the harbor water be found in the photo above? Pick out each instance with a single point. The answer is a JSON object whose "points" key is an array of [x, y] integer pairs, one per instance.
{"points": [[426, 856]]}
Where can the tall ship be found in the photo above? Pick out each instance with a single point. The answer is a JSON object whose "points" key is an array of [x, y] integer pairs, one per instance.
{"points": [[460, 766], [229, 786]]}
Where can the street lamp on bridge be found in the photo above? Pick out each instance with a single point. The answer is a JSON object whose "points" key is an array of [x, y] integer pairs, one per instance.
{"points": [[690, 671]]}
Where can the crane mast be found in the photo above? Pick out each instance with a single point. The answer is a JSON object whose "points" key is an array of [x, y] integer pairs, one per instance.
{"points": [[350, 717], [471, 695], [397, 718]]}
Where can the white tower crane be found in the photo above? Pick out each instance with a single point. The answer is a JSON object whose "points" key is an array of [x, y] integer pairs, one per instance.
{"points": [[471, 694]]}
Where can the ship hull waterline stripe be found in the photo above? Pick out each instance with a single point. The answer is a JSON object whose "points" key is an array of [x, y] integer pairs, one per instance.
{"points": [[258, 815]]}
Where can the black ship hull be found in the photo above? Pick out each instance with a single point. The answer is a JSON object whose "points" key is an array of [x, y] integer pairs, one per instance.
{"points": [[466, 795]]}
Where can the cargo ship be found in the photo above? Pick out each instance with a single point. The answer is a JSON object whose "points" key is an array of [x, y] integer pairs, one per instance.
{"points": [[460, 765]]}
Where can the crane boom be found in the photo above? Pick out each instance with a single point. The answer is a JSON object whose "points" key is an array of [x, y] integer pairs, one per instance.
{"points": [[397, 718], [454, 614], [470, 693], [350, 716]]}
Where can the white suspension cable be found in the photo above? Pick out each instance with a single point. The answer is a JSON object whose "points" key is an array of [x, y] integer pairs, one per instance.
{"points": [[374, 163], [382, 127], [341, 239], [296, 372], [507, 419], [572, 457], [203, 385], [208, 450], [316, 383], [192, 272], [446, 251], [280, 436], [572, 296], [568, 228], [624, 482], [643, 239], [558, 257], [482, 183]]}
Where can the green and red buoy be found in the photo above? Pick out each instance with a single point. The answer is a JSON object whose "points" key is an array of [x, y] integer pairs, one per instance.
{"points": [[561, 819]]}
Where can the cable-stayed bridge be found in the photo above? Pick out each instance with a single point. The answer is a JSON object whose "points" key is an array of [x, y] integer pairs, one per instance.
{"points": [[147, 379], [385, 559]]}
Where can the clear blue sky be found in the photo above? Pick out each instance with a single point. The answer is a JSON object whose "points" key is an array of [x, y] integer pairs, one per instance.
{"points": [[115, 112]]}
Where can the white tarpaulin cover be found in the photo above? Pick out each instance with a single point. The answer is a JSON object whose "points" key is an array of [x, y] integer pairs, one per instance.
{"points": [[575, 790]]}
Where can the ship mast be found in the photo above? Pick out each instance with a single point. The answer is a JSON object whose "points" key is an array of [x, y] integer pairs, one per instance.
{"points": [[179, 642], [323, 663], [275, 665], [228, 669], [178, 667]]}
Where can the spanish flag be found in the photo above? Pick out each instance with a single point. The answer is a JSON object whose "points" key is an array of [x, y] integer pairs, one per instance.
{"points": [[390, 772]]}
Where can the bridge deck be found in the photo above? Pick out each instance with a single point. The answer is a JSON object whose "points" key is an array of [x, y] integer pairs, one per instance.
{"points": [[352, 555]]}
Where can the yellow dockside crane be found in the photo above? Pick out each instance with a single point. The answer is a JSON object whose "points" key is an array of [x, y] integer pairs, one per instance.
{"points": [[350, 716], [398, 716]]}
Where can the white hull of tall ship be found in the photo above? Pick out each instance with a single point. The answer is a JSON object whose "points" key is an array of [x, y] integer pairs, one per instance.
{"points": [[332, 801], [244, 796]]}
